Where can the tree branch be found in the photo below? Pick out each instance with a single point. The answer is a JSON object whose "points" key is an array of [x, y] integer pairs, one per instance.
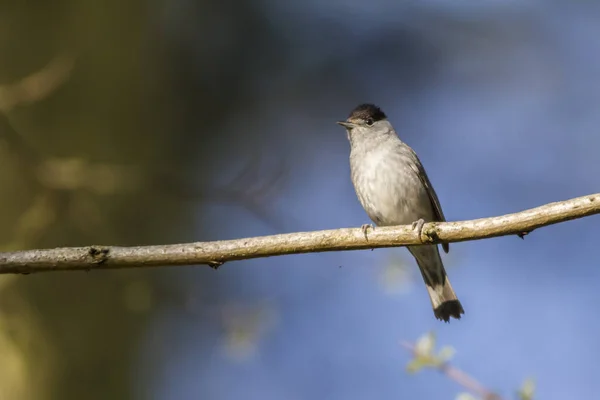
{"points": [[216, 253]]}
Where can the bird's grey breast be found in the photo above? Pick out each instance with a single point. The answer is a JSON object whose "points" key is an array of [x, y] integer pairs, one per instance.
{"points": [[387, 185]]}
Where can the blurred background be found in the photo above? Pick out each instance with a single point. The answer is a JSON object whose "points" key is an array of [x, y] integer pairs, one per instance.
{"points": [[155, 122]]}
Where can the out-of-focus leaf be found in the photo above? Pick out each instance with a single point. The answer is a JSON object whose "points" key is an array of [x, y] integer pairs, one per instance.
{"points": [[244, 326], [446, 353], [425, 356], [465, 396], [425, 345], [527, 390]]}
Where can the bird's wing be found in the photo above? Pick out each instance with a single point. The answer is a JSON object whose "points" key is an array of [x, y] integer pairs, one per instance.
{"points": [[435, 202]]}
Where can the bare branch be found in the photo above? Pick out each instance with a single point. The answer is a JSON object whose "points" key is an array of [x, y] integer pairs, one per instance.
{"points": [[36, 86], [216, 253]]}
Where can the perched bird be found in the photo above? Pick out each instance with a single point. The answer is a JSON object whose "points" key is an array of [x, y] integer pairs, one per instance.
{"points": [[393, 188]]}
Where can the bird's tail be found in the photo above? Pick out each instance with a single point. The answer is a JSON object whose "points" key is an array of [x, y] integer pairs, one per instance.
{"points": [[443, 299]]}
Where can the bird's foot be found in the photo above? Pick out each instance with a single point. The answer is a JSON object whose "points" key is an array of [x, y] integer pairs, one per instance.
{"points": [[365, 229], [418, 226]]}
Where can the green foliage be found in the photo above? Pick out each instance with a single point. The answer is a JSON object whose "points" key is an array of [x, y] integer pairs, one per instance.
{"points": [[527, 390], [425, 355]]}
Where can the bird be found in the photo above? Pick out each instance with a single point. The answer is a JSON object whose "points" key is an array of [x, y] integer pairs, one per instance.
{"points": [[394, 189]]}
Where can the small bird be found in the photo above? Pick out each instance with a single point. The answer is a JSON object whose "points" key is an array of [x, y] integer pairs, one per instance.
{"points": [[393, 188]]}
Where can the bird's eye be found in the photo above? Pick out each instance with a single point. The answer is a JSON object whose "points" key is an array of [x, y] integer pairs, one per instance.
{"points": [[369, 121]]}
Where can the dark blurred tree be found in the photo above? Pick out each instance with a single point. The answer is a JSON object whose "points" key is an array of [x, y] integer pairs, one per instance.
{"points": [[99, 112]]}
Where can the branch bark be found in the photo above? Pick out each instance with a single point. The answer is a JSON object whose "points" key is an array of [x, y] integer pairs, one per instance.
{"points": [[218, 252]]}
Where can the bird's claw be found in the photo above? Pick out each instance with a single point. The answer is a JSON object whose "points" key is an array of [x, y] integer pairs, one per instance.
{"points": [[365, 229], [418, 226]]}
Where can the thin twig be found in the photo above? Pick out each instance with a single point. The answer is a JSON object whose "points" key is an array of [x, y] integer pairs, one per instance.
{"points": [[219, 252], [462, 378]]}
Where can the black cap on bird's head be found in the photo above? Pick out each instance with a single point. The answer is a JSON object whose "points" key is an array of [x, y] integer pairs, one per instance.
{"points": [[364, 114], [366, 111]]}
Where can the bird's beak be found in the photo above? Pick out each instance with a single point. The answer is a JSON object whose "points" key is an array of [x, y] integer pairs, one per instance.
{"points": [[346, 124]]}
